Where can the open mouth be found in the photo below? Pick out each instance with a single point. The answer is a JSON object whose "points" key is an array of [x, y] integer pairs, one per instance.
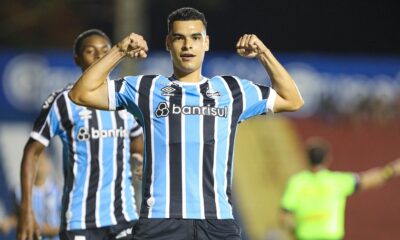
{"points": [[187, 56]]}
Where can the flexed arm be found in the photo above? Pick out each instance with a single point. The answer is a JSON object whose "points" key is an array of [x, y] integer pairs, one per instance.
{"points": [[91, 89], [288, 96]]}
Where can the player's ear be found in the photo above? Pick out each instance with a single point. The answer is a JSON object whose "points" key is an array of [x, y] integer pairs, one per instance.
{"points": [[77, 60], [207, 43], [167, 43]]}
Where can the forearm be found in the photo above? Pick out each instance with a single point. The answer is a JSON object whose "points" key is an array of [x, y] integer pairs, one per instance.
{"points": [[377, 176], [28, 170], [281, 81], [91, 88], [137, 145], [137, 150]]}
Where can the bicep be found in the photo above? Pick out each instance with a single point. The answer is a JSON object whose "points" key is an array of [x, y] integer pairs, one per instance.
{"points": [[33, 149], [97, 98]]}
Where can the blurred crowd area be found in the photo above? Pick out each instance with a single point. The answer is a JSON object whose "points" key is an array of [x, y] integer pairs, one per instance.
{"points": [[289, 26], [373, 109]]}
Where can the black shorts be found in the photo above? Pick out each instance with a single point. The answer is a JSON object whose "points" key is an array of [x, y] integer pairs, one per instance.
{"points": [[184, 229], [121, 231]]}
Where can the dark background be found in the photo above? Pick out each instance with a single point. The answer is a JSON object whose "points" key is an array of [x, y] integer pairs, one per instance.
{"points": [[324, 26]]}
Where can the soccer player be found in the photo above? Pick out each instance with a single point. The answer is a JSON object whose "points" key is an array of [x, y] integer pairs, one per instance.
{"points": [[46, 199], [98, 198], [189, 124], [313, 204]]}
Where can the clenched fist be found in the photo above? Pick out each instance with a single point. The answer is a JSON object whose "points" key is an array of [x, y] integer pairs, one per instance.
{"points": [[133, 46], [249, 45]]}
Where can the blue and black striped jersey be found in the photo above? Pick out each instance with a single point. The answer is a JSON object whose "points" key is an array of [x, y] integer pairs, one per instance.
{"points": [[96, 161], [189, 133], [46, 203]]}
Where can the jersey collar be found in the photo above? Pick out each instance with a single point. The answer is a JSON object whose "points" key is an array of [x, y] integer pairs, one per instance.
{"points": [[174, 80]]}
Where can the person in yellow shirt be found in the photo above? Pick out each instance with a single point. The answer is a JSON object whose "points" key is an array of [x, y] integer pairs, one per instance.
{"points": [[313, 203]]}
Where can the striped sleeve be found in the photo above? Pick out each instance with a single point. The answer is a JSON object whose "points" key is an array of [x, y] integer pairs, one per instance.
{"points": [[47, 123], [257, 99], [136, 130], [122, 92]]}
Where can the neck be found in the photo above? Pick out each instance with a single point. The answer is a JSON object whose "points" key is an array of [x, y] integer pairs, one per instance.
{"points": [[317, 168], [191, 77]]}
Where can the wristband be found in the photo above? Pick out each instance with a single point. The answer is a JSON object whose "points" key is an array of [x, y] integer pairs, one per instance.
{"points": [[388, 172]]}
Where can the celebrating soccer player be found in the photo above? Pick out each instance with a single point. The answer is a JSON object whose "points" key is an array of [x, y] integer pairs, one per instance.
{"points": [[189, 124]]}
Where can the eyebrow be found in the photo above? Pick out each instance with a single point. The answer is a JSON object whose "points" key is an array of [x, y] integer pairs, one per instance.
{"points": [[90, 45], [182, 35]]}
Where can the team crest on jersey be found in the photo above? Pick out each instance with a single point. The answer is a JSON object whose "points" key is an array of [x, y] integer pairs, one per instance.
{"points": [[211, 93], [168, 91], [85, 114]]}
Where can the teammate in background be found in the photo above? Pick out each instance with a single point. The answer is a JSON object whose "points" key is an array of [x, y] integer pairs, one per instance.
{"points": [[190, 123], [313, 204], [98, 200], [46, 202]]}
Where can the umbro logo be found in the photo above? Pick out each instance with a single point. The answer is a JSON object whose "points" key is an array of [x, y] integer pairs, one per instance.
{"points": [[211, 93], [168, 91], [85, 114]]}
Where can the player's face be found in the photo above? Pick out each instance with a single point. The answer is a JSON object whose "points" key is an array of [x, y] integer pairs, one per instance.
{"points": [[93, 48], [187, 43]]}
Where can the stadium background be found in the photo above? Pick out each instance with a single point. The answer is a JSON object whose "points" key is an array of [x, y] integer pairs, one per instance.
{"points": [[344, 55]]}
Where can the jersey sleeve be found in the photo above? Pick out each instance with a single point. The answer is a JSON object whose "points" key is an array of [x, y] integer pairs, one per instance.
{"points": [[347, 182], [123, 92], [257, 99], [288, 201], [47, 124], [136, 130]]}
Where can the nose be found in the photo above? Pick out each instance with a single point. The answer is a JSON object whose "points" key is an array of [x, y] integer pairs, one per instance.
{"points": [[188, 44], [99, 54]]}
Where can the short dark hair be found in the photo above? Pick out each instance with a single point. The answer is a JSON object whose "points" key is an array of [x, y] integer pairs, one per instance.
{"points": [[317, 150], [186, 14], [78, 41]]}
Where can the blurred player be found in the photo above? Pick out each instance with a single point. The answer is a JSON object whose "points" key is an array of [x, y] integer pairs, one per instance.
{"points": [[98, 200], [313, 204], [46, 199], [190, 123]]}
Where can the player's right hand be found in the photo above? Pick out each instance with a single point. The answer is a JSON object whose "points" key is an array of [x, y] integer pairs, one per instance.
{"points": [[249, 46], [27, 226], [137, 161], [134, 46]]}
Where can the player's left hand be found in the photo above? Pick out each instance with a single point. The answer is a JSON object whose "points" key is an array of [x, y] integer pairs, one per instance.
{"points": [[249, 45]]}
